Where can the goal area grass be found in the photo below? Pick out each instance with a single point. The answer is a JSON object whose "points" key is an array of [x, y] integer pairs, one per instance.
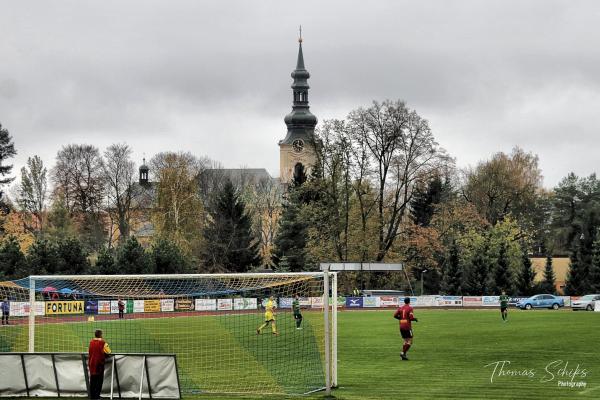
{"points": [[457, 354], [213, 351]]}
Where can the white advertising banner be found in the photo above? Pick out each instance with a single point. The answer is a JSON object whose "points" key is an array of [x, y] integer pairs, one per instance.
{"points": [[490, 301], [316, 302], [371, 302], [388, 301], [224, 304], [167, 305], [567, 300], [138, 306], [597, 305], [205, 304], [21, 308], [448, 301], [423, 301], [114, 307], [285, 302], [245, 304], [472, 301], [104, 307], [304, 301]]}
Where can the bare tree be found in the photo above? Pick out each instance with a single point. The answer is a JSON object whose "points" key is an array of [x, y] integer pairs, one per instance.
{"points": [[78, 175], [78, 178], [402, 152], [119, 175], [335, 164], [263, 203], [32, 193]]}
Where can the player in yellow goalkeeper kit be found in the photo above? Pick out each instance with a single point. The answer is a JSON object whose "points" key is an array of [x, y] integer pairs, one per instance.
{"points": [[269, 316]]}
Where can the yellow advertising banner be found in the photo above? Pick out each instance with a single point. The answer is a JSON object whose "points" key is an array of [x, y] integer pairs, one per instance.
{"points": [[151, 305], [64, 307]]}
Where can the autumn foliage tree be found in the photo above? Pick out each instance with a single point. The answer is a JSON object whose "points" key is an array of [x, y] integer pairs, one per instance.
{"points": [[505, 184], [179, 213]]}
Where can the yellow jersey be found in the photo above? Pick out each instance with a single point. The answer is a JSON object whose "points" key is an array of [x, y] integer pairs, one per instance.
{"points": [[270, 310]]}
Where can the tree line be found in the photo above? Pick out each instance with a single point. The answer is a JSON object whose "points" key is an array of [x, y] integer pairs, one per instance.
{"points": [[382, 190]]}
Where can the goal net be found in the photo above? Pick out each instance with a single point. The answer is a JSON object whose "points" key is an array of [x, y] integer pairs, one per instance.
{"points": [[210, 322]]}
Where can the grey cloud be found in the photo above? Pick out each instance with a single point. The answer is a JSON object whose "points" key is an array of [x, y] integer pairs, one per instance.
{"points": [[212, 77]]}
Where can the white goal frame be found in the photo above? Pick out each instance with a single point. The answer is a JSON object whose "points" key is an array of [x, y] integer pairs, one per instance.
{"points": [[329, 315], [326, 267]]}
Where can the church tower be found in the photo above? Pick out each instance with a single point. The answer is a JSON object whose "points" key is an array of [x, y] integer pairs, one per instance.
{"points": [[297, 154], [144, 173]]}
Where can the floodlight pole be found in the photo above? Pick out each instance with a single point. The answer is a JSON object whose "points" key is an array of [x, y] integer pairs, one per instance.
{"points": [[31, 315], [422, 272]]}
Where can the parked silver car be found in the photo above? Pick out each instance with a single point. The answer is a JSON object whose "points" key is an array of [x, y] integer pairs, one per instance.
{"points": [[585, 302]]}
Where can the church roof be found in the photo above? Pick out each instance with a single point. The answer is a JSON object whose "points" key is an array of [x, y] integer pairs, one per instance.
{"points": [[238, 176]]}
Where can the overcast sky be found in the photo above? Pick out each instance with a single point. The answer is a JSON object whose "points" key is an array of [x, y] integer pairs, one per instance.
{"points": [[213, 77]]}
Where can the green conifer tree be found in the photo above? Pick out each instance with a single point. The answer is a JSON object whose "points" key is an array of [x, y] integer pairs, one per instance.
{"points": [[42, 258], [501, 276], [290, 252], [105, 263], [452, 274], [72, 258], [548, 285], [168, 258], [479, 271], [577, 283], [594, 275], [230, 243], [12, 260], [133, 259], [527, 276]]}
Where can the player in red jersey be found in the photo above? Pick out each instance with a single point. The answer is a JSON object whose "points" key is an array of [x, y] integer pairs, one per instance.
{"points": [[98, 351], [405, 315]]}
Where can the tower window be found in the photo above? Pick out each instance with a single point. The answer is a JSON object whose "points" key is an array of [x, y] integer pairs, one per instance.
{"points": [[299, 173]]}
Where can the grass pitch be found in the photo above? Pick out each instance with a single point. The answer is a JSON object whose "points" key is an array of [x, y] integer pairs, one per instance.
{"points": [[454, 355], [452, 348]]}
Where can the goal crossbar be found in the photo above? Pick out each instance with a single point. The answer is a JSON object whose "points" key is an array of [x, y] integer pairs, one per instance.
{"points": [[351, 266], [175, 276]]}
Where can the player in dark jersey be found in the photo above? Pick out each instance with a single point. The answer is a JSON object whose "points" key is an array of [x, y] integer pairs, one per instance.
{"points": [[297, 312], [405, 315], [504, 306]]}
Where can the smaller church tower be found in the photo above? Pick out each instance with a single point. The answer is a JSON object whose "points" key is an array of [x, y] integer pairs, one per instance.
{"points": [[144, 173], [297, 154]]}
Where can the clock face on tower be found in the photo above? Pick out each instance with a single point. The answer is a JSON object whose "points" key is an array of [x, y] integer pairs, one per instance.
{"points": [[298, 145]]}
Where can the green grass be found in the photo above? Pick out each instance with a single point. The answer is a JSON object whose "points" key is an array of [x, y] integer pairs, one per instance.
{"points": [[447, 361], [452, 347]]}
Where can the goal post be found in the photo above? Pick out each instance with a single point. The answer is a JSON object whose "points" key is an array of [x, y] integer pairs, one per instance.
{"points": [[214, 323], [333, 268]]}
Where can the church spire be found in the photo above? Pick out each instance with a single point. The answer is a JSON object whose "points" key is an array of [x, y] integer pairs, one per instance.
{"points": [[300, 62], [297, 151], [300, 121]]}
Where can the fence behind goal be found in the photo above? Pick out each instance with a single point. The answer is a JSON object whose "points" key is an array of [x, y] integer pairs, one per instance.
{"points": [[209, 321]]}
